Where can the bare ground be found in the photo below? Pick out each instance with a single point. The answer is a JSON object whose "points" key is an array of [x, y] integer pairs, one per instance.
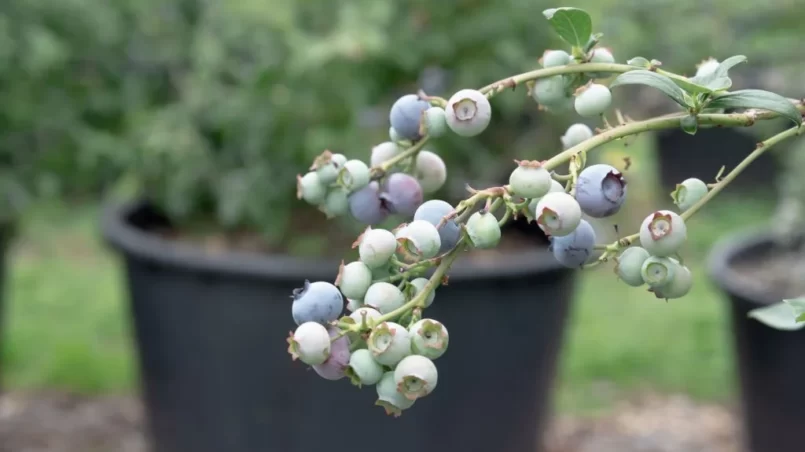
{"points": [[58, 422]]}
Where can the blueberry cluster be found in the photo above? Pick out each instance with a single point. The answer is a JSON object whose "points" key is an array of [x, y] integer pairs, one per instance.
{"points": [[574, 91]]}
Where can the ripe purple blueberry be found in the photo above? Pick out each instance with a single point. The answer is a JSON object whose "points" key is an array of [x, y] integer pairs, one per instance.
{"points": [[389, 343], [689, 192], [553, 58], [429, 338], [376, 247], [335, 366], [434, 122], [310, 188], [433, 211], [383, 296], [310, 343], [600, 190], [483, 230], [319, 302], [416, 376], [575, 249], [354, 279], [402, 194], [366, 207], [419, 239], [530, 179], [430, 171], [405, 115], [354, 175], [383, 152], [629, 265], [576, 134], [419, 285], [663, 233], [558, 214], [336, 203], [389, 398], [363, 369], [592, 100], [468, 112], [658, 271]]}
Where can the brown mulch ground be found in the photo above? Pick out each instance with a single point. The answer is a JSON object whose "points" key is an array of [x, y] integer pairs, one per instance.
{"points": [[56, 422]]}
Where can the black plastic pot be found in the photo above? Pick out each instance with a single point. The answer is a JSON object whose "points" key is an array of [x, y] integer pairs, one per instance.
{"points": [[770, 362], [216, 375], [6, 233]]}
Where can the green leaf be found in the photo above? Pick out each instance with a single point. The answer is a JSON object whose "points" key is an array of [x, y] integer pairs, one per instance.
{"points": [[756, 98], [689, 85], [724, 67], [778, 316], [654, 80], [720, 84], [798, 305], [801, 318], [572, 24]]}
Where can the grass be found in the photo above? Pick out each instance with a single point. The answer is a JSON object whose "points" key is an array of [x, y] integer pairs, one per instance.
{"points": [[66, 322]]}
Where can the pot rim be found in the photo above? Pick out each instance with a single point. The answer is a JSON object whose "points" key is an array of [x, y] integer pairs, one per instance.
{"points": [[720, 265], [139, 244]]}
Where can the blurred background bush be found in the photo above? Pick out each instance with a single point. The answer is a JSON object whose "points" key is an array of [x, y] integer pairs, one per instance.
{"points": [[211, 108]]}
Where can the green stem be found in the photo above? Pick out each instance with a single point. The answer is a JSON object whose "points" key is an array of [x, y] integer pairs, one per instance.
{"points": [[511, 82]]}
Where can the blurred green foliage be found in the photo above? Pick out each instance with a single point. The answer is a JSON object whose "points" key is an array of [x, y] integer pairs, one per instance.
{"points": [[211, 108]]}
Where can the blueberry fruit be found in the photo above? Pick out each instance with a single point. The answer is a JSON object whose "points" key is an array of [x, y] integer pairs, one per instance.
{"points": [[429, 338], [405, 116], [376, 248], [679, 286], [558, 214], [663, 233], [402, 194], [689, 192], [319, 301], [575, 249], [419, 286], [383, 152], [556, 187], [593, 100], [363, 369], [383, 296], [600, 190], [416, 376], [433, 211], [629, 265], [370, 314], [354, 175], [336, 203], [430, 171], [310, 343], [553, 58], [354, 280], [483, 230], [576, 134], [310, 188], [658, 271], [336, 365], [468, 112], [366, 207], [420, 240], [389, 343], [601, 55], [530, 180], [550, 91], [434, 122], [393, 401]]}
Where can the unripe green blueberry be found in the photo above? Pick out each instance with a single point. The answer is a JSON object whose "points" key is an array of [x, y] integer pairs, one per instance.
{"points": [[563, 106], [339, 160], [662, 233], [383, 152], [689, 192], [550, 91], [310, 343], [328, 165], [376, 248], [430, 171], [310, 188], [354, 279], [679, 286], [383, 296], [354, 175], [707, 67], [429, 338], [629, 267], [658, 271], [389, 398], [576, 134], [336, 203], [419, 239], [689, 124], [363, 369], [556, 187], [468, 112], [416, 376], [593, 100], [553, 58], [353, 304], [434, 122], [389, 343], [419, 286], [601, 55], [483, 230], [558, 214], [530, 179], [365, 312]]}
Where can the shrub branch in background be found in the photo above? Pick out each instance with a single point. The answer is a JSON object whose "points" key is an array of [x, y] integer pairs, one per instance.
{"points": [[387, 340]]}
